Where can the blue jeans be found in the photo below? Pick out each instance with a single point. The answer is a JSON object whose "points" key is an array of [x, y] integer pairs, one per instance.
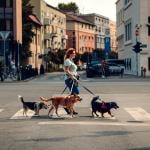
{"points": [[75, 89]]}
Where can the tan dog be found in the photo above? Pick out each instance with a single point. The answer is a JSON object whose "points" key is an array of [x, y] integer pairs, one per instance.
{"points": [[65, 101]]}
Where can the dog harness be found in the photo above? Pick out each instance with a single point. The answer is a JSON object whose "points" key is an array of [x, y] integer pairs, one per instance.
{"points": [[103, 106]]}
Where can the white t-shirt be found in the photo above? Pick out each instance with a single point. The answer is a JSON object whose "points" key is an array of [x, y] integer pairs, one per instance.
{"points": [[71, 65]]}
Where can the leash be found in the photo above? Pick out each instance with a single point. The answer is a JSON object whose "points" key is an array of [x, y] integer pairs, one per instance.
{"points": [[67, 87], [63, 90], [81, 85], [86, 88]]}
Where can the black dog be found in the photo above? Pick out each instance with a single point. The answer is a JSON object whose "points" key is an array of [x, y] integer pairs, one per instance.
{"points": [[102, 107], [35, 106]]}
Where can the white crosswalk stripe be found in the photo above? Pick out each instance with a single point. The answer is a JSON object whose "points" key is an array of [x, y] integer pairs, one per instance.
{"points": [[1, 110], [138, 113], [19, 114]]}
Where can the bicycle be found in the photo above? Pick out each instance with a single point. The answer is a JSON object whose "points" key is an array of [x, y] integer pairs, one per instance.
{"points": [[10, 73]]}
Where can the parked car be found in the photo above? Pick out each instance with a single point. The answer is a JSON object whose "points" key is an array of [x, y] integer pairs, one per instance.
{"points": [[93, 69], [115, 69]]}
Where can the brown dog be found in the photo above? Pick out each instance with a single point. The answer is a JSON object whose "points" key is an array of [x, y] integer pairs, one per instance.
{"points": [[65, 101]]}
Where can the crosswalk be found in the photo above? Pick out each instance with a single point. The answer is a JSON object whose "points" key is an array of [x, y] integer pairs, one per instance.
{"points": [[136, 113]]}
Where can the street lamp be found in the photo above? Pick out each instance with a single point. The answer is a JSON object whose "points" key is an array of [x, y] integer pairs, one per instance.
{"points": [[4, 35]]}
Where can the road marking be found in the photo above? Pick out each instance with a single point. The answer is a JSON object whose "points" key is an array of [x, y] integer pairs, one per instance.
{"points": [[61, 112], [19, 114], [90, 123], [138, 113], [1, 110]]}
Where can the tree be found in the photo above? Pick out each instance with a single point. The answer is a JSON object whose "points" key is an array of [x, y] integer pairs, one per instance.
{"points": [[85, 57], [113, 55], [70, 7], [28, 34]]}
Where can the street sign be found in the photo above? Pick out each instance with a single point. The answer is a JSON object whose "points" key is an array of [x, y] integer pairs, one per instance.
{"points": [[107, 46], [144, 45]]}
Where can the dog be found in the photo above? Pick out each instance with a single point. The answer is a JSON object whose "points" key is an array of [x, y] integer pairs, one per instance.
{"points": [[102, 107], [35, 106], [64, 101]]}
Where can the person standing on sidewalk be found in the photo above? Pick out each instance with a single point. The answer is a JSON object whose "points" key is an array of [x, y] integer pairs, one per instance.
{"points": [[1, 73], [71, 75]]}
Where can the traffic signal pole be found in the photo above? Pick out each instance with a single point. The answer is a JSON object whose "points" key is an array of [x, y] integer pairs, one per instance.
{"points": [[136, 49], [137, 58]]}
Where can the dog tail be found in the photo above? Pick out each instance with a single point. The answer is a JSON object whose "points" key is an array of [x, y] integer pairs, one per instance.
{"points": [[21, 98], [45, 99]]}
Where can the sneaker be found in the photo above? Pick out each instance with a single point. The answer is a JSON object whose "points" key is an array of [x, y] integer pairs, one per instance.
{"points": [[75, 113]]}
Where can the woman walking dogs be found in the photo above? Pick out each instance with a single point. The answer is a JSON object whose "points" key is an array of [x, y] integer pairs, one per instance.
{"points": [[71, 75]]}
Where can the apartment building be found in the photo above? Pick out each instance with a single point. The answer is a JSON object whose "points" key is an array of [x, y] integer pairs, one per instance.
{"points": [[101, 28], [35, 45], [53, 31], [112, 27], [81, 34], [10, 29], [133, 15]]}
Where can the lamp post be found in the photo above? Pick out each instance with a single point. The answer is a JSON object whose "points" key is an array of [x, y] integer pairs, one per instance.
{"points": [[4, 35], [18, 59]]}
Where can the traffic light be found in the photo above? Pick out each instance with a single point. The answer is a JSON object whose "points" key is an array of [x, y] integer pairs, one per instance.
{"points": [[137, 47]]}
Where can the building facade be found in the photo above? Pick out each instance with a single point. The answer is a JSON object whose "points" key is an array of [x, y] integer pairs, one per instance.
{"points": [[133, 16], [101, 28], [35, 45], [112, 27], [10, 29], [53, 30], [81, 34]]}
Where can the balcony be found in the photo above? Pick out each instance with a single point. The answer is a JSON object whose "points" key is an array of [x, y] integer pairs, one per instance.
{"points": [[47, 21], [54, 35], [47, 36]]}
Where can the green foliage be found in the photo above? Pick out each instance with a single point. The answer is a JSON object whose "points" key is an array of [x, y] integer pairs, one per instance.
{"points": [[1, 65], [54, 57], [72, 6], [27, 29], [85, 57], [113, 55], [100, 53]]}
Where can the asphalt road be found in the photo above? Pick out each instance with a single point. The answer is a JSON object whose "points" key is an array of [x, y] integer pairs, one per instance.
{"points": [[128, 130]]}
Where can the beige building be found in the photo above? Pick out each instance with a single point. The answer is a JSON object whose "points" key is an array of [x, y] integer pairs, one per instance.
{"points": [[53, 31], [10, 29], [112, 27], [35, 45], [133, 15], [81, 34]]}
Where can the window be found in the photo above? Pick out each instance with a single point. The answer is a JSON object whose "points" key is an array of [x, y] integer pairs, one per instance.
{"points": [[148, 25], [128, 31], [6, 3], [2, 3], [149, 63], [126, 2], [2, 25], [9, 3]]}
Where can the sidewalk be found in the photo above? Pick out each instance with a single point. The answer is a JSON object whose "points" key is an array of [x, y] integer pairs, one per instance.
{"points": [[55, 76]]}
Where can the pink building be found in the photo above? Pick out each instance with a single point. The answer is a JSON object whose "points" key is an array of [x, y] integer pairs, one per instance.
{"points": [[81, 34]]}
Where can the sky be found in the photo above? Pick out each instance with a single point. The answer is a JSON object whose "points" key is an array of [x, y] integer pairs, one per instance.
{"points": [[105, 8]]}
